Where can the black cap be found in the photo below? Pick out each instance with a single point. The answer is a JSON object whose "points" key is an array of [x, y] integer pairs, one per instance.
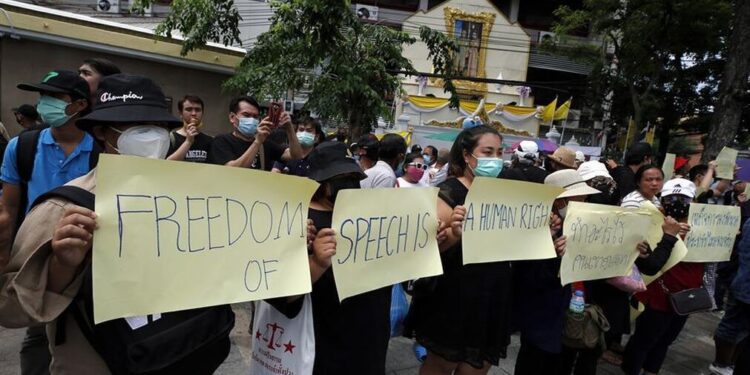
{"points": [[329, 160], [27, 110], [641, 149], [129, 99], [61, 82]]}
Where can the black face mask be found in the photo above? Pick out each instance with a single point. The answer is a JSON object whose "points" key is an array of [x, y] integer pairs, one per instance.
{"points": [[339, 184], [677, 209]]}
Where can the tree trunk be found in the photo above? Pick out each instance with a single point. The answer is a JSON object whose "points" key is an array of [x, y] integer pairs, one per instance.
{"points": [[733, 84], [355, 126]]}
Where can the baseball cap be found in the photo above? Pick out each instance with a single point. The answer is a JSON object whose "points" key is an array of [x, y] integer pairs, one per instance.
{"points": [[60, 82], [678, 186], [527, 149], [591, 169], [580, 157]]}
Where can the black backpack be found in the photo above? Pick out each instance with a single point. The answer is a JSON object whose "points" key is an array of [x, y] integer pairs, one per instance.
{"points": [[183, 342], [25, 155]]}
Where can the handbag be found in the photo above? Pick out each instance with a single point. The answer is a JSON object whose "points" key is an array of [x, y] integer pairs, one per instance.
{"points": [[585, 331], [632, 283], [688, 301], [282, 345]]}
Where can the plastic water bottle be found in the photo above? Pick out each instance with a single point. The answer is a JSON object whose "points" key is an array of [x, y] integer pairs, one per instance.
{"points": [[577, 303]]}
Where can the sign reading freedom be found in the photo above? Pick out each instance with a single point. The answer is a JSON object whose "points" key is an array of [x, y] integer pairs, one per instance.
{"points": [[507, 220], [174, 236]]}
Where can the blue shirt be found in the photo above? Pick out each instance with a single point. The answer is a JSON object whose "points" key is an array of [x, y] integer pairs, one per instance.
{"points": [[741, 283], [51, 167]]}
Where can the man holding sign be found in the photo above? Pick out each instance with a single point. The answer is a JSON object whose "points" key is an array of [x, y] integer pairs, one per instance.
{"points": [[48, 280]]}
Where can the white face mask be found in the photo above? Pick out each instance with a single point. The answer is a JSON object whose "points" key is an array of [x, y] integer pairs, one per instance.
{"points": [[147, 141], [562, 212]]}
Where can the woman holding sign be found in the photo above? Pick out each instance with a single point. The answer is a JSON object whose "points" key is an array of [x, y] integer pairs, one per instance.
{"points": [[351, 336], [462, 317]]}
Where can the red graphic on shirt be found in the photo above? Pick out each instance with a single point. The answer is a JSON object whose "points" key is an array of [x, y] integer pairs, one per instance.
{"points": [[272, 337]]}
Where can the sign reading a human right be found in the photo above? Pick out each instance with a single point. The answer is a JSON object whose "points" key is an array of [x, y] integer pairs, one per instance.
{"points": [[713, 229], [507, 220], [601, 241]]}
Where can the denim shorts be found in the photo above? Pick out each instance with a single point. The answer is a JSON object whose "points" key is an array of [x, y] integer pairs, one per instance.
{"points": [[735, 324]]}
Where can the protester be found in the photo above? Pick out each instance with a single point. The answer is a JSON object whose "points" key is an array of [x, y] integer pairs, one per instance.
{"points": [[309, 134], [351, 336], [562, 158], [580, 158], [391, 152], [649, 182], [366, 151], [430, 156], [741, 310], [524, 160], [638, 155], [413, 171], [541, 298], [51, 263], [702, 175], [93, 70], [439, 172], [27, 117], [462, 317], [188, 143], [248, 146]]}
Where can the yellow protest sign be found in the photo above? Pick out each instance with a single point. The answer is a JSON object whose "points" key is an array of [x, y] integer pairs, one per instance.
{"points": [[668, 166], [175, 236], [507, 220], [726, 161], [713, 229], [601, 241], [655, 234], [384, 237]]}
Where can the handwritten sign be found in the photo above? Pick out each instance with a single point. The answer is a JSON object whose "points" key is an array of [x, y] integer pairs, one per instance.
{"points": [[175, 236], [383, 237], [601, 241], [655, 234], [726, 161], [507, 220], [713, 229], [668, 166]]}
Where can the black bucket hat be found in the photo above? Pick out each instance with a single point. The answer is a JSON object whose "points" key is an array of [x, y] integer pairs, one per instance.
{"points": [[129, 99], [61, 82], [329, 160]]}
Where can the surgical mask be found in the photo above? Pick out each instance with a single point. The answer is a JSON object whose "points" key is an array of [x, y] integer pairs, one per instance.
{"points": [[562, 211], [248, 126], [488, 167], [356, 158], [427, 159], [52, 111], [339, 184], [305, 139], [414, 173], [148, 141]]}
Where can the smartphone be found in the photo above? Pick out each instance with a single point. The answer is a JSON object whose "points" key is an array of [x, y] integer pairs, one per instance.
{"points": [[274, 112]]}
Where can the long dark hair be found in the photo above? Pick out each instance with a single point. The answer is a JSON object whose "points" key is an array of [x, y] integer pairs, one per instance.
{"points": [[466, 141]]}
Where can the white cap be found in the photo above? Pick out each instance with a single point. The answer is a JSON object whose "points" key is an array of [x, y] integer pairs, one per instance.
{"points": [[527, 148], [678, 186], [591, 169], [580, 157]]}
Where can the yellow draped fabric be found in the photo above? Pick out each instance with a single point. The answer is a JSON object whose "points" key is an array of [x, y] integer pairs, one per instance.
{"points": [[471, 107], [427, 102], [561, 113], [519, 111]]}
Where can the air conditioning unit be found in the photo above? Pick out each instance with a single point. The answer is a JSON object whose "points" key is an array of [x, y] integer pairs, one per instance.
{"points": [[118, 6], [546, 35], [367, 12]]}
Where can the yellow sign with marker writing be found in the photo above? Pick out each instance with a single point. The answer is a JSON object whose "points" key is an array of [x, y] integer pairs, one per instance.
{"points": [[508, 220], [601, 241], [713, 230], [384, 237], [175, 236], [726, 160]]}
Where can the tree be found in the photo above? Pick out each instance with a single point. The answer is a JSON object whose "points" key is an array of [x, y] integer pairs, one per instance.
{"points": [[733, 89], [349, 67], [655, 54]]}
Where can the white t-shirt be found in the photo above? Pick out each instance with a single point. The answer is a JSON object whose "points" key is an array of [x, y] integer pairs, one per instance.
{"points": [[381, 175], [402, 183], [636, 199]]}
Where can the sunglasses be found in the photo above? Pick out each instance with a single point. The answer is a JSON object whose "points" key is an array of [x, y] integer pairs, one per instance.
{"points": [[418, 165]]}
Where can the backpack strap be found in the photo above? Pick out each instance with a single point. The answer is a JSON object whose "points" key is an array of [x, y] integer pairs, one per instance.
{"points": [[94, 155], [25, 154], [74, 194]]}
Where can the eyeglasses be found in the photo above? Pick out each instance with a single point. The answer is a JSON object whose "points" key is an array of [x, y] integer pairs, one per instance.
{"points": [[418, 165]]}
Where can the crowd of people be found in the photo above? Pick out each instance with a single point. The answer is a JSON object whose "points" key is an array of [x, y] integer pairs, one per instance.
{"points": [[461, 321]]}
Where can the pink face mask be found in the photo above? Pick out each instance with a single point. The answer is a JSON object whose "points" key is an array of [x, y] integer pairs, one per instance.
{"points": [[414, 173]]}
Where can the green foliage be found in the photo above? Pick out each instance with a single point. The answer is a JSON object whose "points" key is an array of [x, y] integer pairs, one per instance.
{"points": [[442, 50]]}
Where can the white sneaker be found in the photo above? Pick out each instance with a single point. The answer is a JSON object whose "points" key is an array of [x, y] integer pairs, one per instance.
{"points": [[716, 370]]}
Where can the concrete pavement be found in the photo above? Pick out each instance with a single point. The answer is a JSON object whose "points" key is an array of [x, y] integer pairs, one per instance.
{"points": [[689, 355]]}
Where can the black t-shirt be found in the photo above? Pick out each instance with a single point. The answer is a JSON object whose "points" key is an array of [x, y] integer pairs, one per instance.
{"points": [[299, 167], [227, 147], [625, 179], [199, 151]]}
